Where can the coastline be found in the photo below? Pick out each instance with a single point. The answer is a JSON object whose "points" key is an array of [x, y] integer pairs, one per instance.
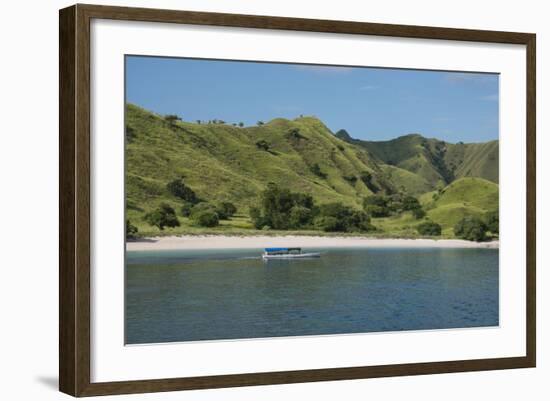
{"points": [[194, 242]]}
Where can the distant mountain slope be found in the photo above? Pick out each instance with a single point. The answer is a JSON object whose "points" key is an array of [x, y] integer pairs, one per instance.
{"points": [[467, 196], [437, 162], [221, 162]]}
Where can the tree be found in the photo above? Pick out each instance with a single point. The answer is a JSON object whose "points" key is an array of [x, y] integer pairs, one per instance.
{"points": [[241, 124], [471, 228], [281, 209], [338, 217], [303, 200], [131, 230], [178, 188], [366, 177], [410, 203], [206, 218], [163, 216], [205, 215], [350, 178], [429, 228], [328, 224], [491, 219], [294, 133], [172, 119], [263, 145], [299, 216], [376, 206], [315, 169], [228, 209], [198, 122], [186, 209], [130, 134], [257, 218], [276, 204], [418, 213], [260, 123]]}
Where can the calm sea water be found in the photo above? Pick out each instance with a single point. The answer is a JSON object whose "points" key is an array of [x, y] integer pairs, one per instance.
{"points": [[230, 294]]}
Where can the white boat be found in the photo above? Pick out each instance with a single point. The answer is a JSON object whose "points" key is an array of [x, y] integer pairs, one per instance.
{"points": [[288, 253]]}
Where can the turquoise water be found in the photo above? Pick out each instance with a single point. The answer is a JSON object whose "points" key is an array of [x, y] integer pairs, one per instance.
{"points": [[230, 294]]}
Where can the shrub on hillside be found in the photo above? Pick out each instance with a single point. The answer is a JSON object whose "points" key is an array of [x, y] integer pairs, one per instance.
{"points": [[429, 228], [163, 216], [205, 218], [178, 188], [471, 229], [263, 145], [338, 217], [410, 203], [299, 216], [130, 133], [186, 209], [492, 221], [315, 169], [131, 230], [226, 210], [328, 224], [350, 178], [366, 177], [376, 206], [172, 119], [418, 213]]}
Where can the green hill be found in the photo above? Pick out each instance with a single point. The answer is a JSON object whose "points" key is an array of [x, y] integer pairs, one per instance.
{"points": [[464, 197], [221, 162], [439, 163]]}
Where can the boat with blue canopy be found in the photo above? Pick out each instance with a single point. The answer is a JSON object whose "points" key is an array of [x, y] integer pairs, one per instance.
{"points": [[288, 253]]}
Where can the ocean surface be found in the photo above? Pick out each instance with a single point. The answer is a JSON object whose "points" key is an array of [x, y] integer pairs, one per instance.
{"points": [[231, 294]]}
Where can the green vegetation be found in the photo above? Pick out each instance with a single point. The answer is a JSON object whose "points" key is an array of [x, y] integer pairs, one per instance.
{"points": [[205, 218], [282, 209], [433, 160], [163, 216], [336, 217], [429, 228], [131, 230], [182, 191], [491, 219], [296, 176], [471, 229], [473, 197]]}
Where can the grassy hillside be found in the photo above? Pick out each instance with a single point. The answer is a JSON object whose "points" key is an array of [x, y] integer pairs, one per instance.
{"points": [[439, 163], [225, 163], [464, 197], [221, 162]]}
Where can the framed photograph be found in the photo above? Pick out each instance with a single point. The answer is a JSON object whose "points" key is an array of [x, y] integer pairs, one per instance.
{"points": [[250, 200]]}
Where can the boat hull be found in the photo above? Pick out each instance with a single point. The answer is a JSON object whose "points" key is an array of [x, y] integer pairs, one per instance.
{"points": [[299, 256]]}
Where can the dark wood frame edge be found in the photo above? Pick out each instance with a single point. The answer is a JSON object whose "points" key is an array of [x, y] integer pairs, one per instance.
{"points": [[74, 199]]}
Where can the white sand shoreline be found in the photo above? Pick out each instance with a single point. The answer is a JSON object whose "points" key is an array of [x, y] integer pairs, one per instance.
{"points": [[192, 242]]}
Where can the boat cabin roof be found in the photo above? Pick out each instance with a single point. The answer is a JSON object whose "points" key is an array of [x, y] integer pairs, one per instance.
{"points": [[282, 249]]}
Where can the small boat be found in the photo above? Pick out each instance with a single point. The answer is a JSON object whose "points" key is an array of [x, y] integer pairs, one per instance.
{"points": [[288, 253]]}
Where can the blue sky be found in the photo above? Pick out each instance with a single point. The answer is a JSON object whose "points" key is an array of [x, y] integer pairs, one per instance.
{"points": [[370, 103]]}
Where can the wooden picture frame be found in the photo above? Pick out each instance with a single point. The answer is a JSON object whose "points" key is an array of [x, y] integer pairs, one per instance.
{"points": [[74, 203]]}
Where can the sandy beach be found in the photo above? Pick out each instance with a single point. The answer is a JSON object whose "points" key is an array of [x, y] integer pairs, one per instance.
{"points": [[232, 242]]}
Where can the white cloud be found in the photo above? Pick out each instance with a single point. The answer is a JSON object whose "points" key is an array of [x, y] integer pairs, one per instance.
{"points": [[368, 87]]}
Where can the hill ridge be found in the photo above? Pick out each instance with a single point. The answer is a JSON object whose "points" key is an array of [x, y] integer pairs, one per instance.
{"points": [[437, 161]]}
